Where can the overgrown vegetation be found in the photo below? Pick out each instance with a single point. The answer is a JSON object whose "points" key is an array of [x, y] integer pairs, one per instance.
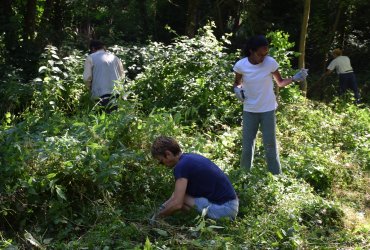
{"points": [[71, 178]]}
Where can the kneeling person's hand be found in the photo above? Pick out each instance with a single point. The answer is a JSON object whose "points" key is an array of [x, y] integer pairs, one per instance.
{"points": [[153, 218]]}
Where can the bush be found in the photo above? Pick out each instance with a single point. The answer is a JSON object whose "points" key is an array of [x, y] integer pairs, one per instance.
{"points": [[191, 76], [60, 87], [16, 95]]}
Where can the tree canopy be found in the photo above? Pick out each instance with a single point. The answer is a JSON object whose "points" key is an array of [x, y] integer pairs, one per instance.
{"points": [[26, 26]]}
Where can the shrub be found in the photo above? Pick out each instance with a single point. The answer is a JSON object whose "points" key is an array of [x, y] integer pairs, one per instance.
{"points": [[60, 87]]}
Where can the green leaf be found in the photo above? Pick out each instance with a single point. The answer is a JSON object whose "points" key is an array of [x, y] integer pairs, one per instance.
{"points": [[161, 232], [61, 86], [42, 69], [78, 124], [33, 241], [56, 69], [60, 192], [148, 245], [279, 235], [94, 145], [216, 227], [47, 240], [51, 175]]}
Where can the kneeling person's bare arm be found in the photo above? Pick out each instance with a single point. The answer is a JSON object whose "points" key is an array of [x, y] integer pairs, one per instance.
{"points": [[176, 202]]}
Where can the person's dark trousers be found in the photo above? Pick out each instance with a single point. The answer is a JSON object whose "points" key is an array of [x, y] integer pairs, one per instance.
{"points": [[348, 81], [107, 102]]}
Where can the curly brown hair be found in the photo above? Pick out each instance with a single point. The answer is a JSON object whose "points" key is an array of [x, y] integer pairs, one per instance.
{"points": [[163, 143]]}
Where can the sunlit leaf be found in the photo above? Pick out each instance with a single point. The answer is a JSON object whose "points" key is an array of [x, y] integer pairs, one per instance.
{"points": [[42, 69], [28, 236], [60, 192]]}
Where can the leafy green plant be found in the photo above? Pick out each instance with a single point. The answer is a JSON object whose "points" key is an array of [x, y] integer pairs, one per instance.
{"points": [[191, 76], [60, 86], [16, 95]]}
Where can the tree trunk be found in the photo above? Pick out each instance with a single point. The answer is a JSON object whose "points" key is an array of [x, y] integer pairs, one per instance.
{"points": [[8, 25], [30, 20], [191, 20], [144, 17], [220, 17], [332, 33], [58, 21], [302, 42], [45, 30]]}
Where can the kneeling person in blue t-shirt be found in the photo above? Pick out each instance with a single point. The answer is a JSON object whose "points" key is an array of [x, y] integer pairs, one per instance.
{"points": [[199, 182]]}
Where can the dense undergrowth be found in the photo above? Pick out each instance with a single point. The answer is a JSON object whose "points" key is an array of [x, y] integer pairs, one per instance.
{"points": [[71, 178]]}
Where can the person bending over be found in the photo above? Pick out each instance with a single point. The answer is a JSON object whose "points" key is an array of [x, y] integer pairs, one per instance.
{"points": [[347, 79], [101, 70], [200, 183]]}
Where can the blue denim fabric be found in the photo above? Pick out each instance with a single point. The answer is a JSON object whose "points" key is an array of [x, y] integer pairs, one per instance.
{"points": [[251, 123], [348, 81], [214, 211]]}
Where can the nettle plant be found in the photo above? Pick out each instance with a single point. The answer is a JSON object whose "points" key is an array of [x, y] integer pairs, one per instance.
{"points": [[192, 76], [280, 50], [60, 85]]}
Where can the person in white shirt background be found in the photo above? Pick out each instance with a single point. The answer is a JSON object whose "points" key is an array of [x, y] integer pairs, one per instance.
{"points": [[255, 88], [102, 70], [347, 79]]}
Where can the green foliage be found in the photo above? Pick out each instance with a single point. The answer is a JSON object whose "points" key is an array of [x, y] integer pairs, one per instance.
{"points": [[16, 95], [191, 76], [60, 86], [276, 210], [280, 50], [71, 178]]}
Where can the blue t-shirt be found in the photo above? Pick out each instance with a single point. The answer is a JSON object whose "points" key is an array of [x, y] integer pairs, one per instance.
{"points": [[205, 179]]}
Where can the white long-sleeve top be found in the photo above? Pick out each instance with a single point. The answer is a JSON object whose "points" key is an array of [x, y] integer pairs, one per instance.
{"points": [[101, 70]]}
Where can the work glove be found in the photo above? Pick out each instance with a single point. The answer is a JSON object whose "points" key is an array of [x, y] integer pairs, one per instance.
{"points": [[301, 75], [153, 218], [239, 93]]}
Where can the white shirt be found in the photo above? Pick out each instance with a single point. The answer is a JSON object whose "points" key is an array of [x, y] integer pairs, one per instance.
{"points": [[341, 65], [101, 70], [257, 84]]}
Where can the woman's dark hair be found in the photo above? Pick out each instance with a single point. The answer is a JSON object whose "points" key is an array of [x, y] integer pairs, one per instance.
{"points": [[96, 44], [253, 43]]}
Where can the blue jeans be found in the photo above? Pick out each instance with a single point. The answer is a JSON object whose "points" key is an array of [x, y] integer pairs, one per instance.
{"points": [[214, 211], [251, 123], [348, 81]]}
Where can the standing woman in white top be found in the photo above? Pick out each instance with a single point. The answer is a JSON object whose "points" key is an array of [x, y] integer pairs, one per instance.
{"points": [[102, 69], [255, 88], [347, 79]]}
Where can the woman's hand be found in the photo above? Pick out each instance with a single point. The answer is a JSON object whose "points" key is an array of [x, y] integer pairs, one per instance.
{"points": [[238, 89], [239, 93], [301, 75]]}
